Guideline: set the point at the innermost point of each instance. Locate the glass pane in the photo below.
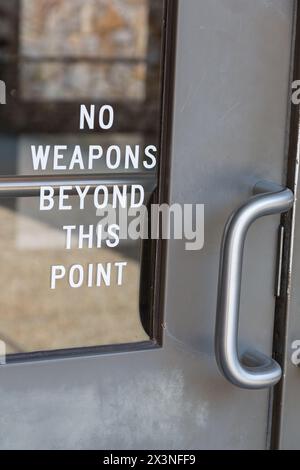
(80, 93)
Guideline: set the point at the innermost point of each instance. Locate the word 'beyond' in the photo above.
(121, 196)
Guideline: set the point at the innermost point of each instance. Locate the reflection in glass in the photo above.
(35, 318)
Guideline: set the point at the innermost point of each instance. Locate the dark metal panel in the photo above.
(286, 416)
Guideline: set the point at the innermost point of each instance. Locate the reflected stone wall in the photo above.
(93, 28)
(92, 49)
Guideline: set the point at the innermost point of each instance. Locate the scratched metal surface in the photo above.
(232, 74)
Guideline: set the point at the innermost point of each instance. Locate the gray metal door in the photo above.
(229, 131)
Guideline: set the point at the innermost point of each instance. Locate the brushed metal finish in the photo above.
(254, 370)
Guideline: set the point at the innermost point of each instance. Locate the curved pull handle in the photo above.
(255, 370)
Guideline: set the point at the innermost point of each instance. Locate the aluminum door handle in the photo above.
(254, 370)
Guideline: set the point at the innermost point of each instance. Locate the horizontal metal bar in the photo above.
(29, 186)
(76, 59)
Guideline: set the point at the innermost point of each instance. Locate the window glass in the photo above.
(62, 64)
